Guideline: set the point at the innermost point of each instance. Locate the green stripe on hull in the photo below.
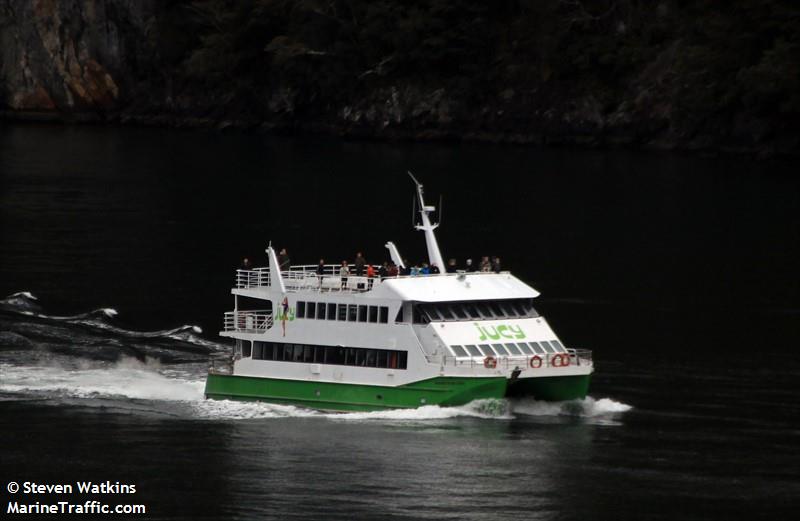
(443, 391)
(551, 388)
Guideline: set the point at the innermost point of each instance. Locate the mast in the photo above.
(434, 255)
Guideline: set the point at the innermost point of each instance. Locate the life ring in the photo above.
(560, 360)
(490, 362)
(536, 362)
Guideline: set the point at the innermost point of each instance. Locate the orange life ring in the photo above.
(536, 362)
(490, 362)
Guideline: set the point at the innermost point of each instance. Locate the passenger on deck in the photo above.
(245, 264)
(383, 271)
(468, 267)
(496, 265)
(394, 271)
(485, 266)
(425, 270)
(435, 269)
(320, 271)
(451, 266)
(359, 264)
(406, 269)
(413, 270)
(283, 260)
(370, 275)
(344, 272)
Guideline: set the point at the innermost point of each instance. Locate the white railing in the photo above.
(573, 357)
(254, 321)
(305, 277)
(252, 278)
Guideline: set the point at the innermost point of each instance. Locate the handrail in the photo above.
(577, 357)
(251, 321)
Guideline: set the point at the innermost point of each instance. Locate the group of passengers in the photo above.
(361, 268)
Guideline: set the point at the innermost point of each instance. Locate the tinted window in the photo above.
(487, 350)
(373, 314)
(384, 315)
(558, 346)
(459, 311)
(403, 364)
(537, 348)
(321, 311)
(513, 349)
(458, 350)
(301, 309)
(342, 314)
(371, 358)
(546, 346)
(500, 349)
(484, 309)
(383, 358)
(278, 352)
(331, 311)
(308, 354)
(525, 348)
(246, 348)
(311, 310)
(352, 312)
(445, 312)
(258, 351)
(269, 349)
(473, 350)
(362, 313)
(319, 355)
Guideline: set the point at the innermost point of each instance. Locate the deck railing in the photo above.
(254, 321)
(306, 277)
(577, 357)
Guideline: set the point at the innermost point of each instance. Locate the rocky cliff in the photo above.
(702, 75)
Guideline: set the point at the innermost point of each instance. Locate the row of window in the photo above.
(331, 355)
(520, 348)
(474, 310)
(343, 312)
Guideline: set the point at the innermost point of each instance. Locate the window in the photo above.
(399, 318)
(500, 349)
(558, 346)
(458, 350)
(331, 311)
(383, 317)
(487, 350)
(301, 309)
(352, 312)
(362, 313)
(245, 348)
(311, 310)
(512, 349)
(445, 313)
(403, 359)
(472, 311)
(459, 311)
(473, 350)
(546, 346)
(525, 348)
(537, 348)
(342, 312)
(373, 314)
(321, 311)
(330, 355)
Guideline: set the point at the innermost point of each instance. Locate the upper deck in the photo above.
(436, 287)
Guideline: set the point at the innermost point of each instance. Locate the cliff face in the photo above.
(695, 75)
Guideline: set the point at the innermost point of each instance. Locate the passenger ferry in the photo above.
(339, 341)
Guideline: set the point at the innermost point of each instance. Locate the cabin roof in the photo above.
(455, 287)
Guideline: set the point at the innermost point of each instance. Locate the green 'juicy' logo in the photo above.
(496, 333)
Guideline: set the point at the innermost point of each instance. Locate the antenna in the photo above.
(434, 255)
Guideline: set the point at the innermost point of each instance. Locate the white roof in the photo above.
(455, 287)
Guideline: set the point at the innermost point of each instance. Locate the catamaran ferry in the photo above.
(327, 339)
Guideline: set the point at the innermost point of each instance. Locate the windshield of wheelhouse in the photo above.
(496, 309)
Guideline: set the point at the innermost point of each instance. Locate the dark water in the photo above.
(680, 273)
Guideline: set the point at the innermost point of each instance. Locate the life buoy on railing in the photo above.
(490, 362)
(536, 362)
(559, 360)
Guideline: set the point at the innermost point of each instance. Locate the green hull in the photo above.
(551, 388)
(443, 391)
